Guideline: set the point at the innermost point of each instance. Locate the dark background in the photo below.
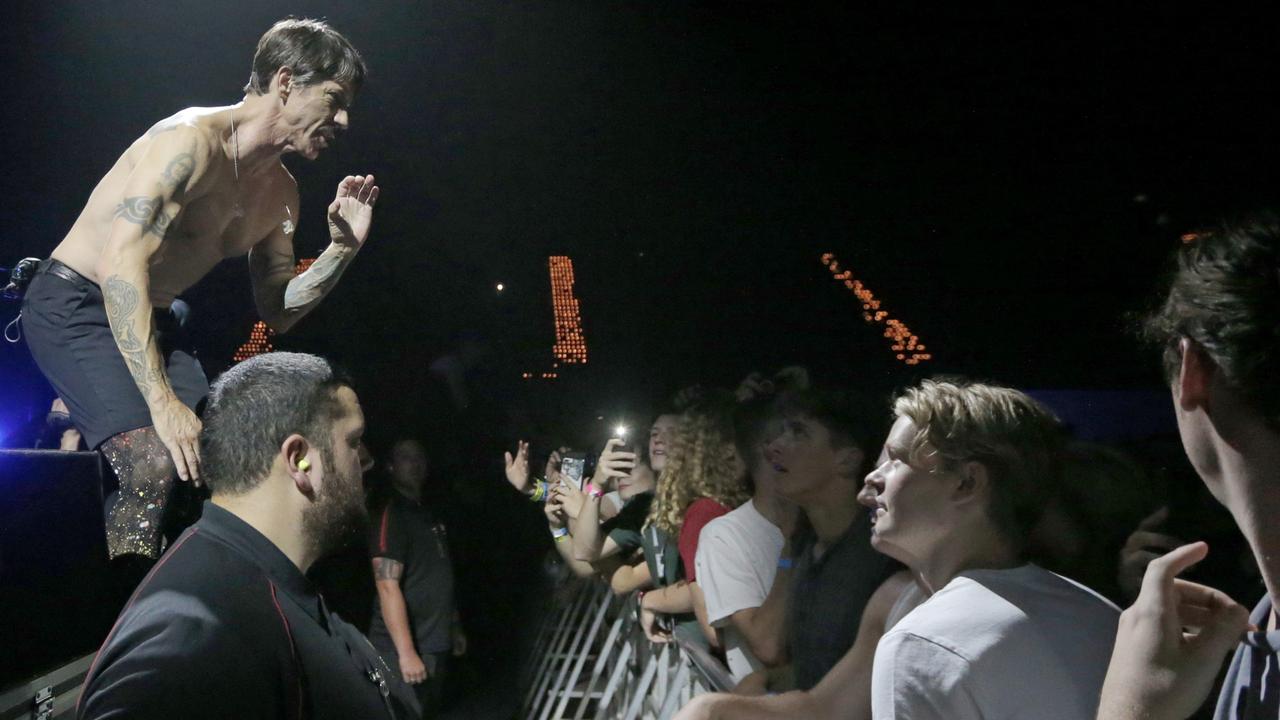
(1009, 184)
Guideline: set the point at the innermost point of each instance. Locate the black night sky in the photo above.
(1008, 184)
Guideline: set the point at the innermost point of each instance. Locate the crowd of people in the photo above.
(946, 550)
(943, 551)
(949, 550)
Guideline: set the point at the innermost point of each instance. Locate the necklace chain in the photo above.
(235, 161)
(235, 167)
(235, 139)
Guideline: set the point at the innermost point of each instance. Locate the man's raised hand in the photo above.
(518, 467)
(351, 212)
(1171, 643)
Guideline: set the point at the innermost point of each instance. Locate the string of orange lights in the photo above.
(570, 346)
(905, 345)
(260, 336)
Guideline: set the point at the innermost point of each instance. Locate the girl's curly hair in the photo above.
(703, 464)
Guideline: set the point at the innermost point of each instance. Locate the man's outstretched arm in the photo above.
(283, 299)
(158, 187)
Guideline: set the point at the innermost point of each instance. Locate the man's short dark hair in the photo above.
(255, 405)
(314, 52)
(751, 420)
(849, 416)
(1225, 297)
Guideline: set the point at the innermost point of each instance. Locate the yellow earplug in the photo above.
(304, 465)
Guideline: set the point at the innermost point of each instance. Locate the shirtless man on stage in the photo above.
(101, 315)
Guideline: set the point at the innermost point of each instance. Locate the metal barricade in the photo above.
(579, 669)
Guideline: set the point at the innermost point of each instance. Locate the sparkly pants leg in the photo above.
(134, 512)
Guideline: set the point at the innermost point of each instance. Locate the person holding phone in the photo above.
(598, 537)
(703, 479)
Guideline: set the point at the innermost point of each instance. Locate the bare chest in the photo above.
(211, 229)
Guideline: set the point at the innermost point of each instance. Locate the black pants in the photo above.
(65, 323)
(430, 691)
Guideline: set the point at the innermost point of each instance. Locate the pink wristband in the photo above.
(592, 490)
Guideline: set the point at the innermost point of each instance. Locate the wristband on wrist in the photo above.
(559, 533)
(784, 563)
(540, 491)
(592, 490)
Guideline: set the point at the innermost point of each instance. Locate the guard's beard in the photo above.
(338, 512)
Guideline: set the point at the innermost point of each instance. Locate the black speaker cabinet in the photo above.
(56, 601)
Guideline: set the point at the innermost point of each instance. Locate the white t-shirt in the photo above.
(736, 562)
(1000, 645)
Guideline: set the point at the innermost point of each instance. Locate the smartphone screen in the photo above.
(572, 465)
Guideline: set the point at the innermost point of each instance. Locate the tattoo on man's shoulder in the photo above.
(179, 170)
(147, 212)
(121, 300)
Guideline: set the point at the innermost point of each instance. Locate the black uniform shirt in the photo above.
(226, 626)
(407, 531)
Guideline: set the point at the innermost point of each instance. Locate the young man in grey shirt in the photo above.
(1220, 328)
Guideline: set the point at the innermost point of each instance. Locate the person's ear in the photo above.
(849, 461)
(973, 483)
(282, 83)
(1195, 374)
(299, 462)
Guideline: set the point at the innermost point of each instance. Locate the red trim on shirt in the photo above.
(382, 533)
(289, 634)
(116, 625)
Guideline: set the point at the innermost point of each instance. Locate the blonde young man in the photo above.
(966, 469)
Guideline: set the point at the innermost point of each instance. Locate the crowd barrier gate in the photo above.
(592, 659)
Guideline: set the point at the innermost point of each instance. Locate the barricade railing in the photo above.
(592, 660)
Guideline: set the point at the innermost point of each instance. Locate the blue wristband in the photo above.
(784, 563)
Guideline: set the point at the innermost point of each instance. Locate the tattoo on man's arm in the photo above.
(311, 286)
(387, 569)
(179, 170)
(147, 212)
(121, 300)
